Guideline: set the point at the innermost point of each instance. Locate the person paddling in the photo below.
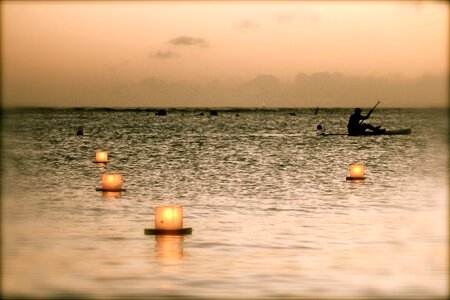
(356, 125)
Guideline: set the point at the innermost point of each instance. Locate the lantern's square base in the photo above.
(355, 178)
(100, 162)
(105, 190)
(149, 231)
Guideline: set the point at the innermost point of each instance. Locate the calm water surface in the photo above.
(271, 211)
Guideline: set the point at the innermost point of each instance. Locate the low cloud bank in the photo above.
(265, 90)
(318, 89)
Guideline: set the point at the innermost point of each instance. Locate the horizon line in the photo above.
(155, 108)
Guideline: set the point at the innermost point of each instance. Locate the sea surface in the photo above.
(272, 213)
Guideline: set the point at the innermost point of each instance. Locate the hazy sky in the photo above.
(236, 53)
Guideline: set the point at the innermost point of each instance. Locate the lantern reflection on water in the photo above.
(169, 221)
(108, 194)
(356, 172)
(101, 157)
(169, 246)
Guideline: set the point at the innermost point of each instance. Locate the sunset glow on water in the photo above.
(271, 210)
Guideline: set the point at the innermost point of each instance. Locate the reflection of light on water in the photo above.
(313, 234)
(111, 194)
(357, 180)
(169, 246)
(101, 167)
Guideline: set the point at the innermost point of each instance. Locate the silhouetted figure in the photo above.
(317, 110)
(292, 114)
(319, 127)
(214, 113)
(356, 126)
(80, 130)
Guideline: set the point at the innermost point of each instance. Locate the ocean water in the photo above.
(272, 213)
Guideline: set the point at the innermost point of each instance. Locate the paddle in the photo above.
(317, 110)
(370, 111)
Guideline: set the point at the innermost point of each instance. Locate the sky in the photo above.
(224, 54)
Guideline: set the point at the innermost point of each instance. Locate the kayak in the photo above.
(387, 132)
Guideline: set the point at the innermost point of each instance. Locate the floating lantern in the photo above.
(356, 172)
(169, 221)
(101, 157)
(111, 182)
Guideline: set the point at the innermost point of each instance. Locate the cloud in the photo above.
(188, 41)
(247, 24)
(164, 54)
(324, 89)
(179, 41)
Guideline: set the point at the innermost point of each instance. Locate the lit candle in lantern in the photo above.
(101, 157)
(169, 220)
(356, 172)
(112, 182)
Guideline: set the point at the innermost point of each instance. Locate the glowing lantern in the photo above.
(101, 157)
(169, 221)
(169, 217)
(356, 172)
(112, 182)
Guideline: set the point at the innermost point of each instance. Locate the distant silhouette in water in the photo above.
(317, 110)
(214, 113)
(356, 125)
(80, 130)
(201, 114)
(161, 112)
(319, 127)
(292, 114)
